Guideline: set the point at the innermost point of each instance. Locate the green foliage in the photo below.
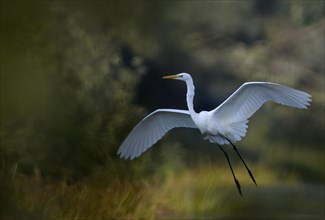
(70, 73)
(76, 114)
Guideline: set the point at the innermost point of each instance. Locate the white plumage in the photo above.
(228, 122)
(152, 128)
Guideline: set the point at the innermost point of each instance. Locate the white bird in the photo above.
(225, 124)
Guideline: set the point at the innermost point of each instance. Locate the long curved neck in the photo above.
(190, 96)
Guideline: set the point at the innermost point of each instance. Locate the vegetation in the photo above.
(76, 76)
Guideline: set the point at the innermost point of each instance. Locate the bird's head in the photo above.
(180, 76)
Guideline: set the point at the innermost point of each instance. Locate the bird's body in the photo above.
(225, 124)
(227, 121)
(231, 117)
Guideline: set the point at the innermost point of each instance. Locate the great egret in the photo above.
(226, 124)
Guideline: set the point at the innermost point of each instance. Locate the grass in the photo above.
(290, 186)
(206, 191)
(35, 198)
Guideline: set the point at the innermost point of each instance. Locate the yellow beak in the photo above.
(171, 77)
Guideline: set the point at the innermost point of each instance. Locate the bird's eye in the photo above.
(180, 75)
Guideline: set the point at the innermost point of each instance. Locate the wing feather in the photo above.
(151, 129)
(245, 101)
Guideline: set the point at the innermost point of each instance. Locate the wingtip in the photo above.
(127, 156)
(307, 103)
(122, 155)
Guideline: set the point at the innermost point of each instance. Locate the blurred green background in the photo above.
(76, 76)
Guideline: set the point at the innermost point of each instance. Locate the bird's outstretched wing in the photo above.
(247, 99)
(152, 128)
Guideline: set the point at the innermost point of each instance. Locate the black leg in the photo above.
(248, 170)
(232, 171)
